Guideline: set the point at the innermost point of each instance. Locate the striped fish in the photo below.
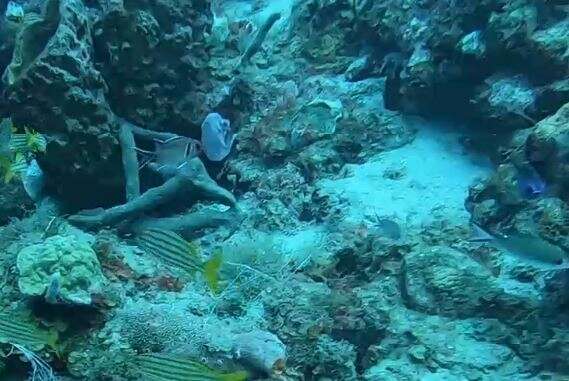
(36, 141)
(16, 329)
(155, 367)
(175, 251)
(19, 165)
(175, 152)
(15, 168)
(19, 143)
(30, 141)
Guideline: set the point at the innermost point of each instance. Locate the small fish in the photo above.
(52, 227)
(14, 168)
(17, 329)
(526, 247)
(53, 289)
(531, 186)
(155, 367)
(170, 155)
(388, 228)
(217, 137)
(30, 141)
(176, 251)
(175, 151)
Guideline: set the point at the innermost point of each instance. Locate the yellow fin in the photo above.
(52, 338)
(8, 176)
(193, 249)
(236, 376)
(211, 270)
(35, 141)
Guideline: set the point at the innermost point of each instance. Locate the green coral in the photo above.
(68, 262)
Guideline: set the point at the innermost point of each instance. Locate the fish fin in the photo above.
(477, 234)
(236, 376)
(52, 341)
(211, 271)
(193, 250)
(9, 175)
(35, 141)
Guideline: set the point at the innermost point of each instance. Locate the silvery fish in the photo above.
(523, 246)
(217, 137)
(175, 152)
(171, 155)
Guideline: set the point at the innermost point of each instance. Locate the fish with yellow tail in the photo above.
(160, 367)
(175, 251)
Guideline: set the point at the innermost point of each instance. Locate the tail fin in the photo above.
(477, 234)
(237, 376)
(211, 270)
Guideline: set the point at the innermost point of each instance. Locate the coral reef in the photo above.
(62, 268)
(383, 187)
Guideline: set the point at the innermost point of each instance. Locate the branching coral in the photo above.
(184, 176)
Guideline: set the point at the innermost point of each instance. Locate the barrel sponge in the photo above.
(64, 265)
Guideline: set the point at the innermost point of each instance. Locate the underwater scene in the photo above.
(283, 190)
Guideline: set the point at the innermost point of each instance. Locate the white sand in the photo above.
(437, 174)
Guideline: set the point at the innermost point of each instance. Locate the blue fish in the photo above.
(531, 186)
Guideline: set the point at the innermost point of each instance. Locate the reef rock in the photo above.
(547, 148)
(74, 67)
(447, 282)
(14, 202)
(153, 56)
(61, 269)
(52, 85)
(336, 119)
(552, 47)
(145, 326)
(506, 102)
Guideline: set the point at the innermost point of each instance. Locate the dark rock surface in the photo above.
(14, 202)
(452, 51)
(52, 85)
(154, 59)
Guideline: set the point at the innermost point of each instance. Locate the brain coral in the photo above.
(62, 265)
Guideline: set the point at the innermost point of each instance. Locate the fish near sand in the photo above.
(526, 247)
(175, 251)
(388, 228)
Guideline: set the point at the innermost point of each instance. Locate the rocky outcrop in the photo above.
(53, 86)
(154, 59)
(453, 53)
(446, 282)
(74, 67)
(547, 148)
(534, 172)
(14, 202)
